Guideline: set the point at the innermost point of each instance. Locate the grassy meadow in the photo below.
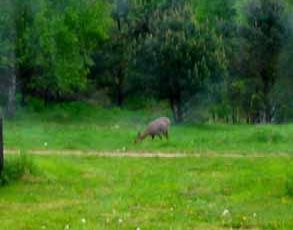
(90, 192)
(74, 192)
(87, 128)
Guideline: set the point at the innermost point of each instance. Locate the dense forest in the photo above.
(229, 60)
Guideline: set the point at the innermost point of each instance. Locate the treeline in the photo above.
(230, 59)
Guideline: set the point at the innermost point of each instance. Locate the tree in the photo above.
(54, 45)
(22, 20)
(116, 55)
(131, 22)
(262, 33)
(7, 59)
(1, 144)
(282, 92)
(178, 56)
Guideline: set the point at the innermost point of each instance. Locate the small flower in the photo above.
(66, 226)
(120, 221)
(225, 212)
(83, 220)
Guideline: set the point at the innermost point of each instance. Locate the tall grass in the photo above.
(16, 166)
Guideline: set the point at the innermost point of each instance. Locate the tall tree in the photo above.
(178, 55)
(54, 44)
(7, 58)
(22, 18)
(263, 33)
(116, 54)
(1, 144)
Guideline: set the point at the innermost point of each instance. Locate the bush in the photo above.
(15, 166)
(36, 104)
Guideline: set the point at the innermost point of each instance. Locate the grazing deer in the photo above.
(158, 127)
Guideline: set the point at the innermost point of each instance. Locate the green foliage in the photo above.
(215, 11)
(178, 56)
(6, 50)
(263, 35)
(55, 42)
(16, 167)
(178, 51)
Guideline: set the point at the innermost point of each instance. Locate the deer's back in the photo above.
(158, 126)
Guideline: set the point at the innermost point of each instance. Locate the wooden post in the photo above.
(1, 144)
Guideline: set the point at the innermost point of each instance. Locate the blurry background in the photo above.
(218, 61)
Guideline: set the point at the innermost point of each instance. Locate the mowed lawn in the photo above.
(79, 192)
(89, 128)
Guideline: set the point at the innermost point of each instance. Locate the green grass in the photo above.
(84, 127)
(87, 192)
(124, 193)
(15, 167)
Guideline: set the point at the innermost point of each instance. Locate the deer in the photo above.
(158, 127)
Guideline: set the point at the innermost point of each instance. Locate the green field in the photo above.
(251, 187)
(82, 127)
(122, 193)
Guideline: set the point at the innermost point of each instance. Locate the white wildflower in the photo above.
(225, 212)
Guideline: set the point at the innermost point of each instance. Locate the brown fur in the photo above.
(158, 127)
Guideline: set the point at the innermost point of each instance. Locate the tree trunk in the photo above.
(1, 145)
(233, 115)
(120, 97)
(267, 118)
(267, 106)
(11, 105)
(176, 106)
(119, 88)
